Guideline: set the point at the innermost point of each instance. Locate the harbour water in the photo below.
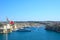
(35, 34)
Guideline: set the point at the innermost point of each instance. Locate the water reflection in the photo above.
(3, 36)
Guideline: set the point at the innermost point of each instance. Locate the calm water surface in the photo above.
(36, 34)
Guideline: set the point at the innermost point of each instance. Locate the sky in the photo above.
(30, 10)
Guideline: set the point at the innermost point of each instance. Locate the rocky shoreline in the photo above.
(54, 27)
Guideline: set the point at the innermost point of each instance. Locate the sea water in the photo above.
(35, 34)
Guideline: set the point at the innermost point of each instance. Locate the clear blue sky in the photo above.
(30, 10)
